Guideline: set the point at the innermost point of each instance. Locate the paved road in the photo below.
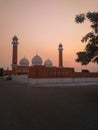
(23, 107)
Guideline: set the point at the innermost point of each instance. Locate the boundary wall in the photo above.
(39, 81)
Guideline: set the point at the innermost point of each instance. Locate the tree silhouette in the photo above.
(1, 71)
(90, 53)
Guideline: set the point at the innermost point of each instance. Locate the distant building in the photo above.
(38, 69)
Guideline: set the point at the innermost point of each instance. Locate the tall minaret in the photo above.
(60, 55)
(14, 54)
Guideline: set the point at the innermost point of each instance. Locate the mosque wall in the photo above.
(57, 72)
(49, 72)
(23, 69)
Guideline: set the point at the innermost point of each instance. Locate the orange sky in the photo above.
(40, 26)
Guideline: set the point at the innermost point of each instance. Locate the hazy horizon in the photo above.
(40, 26)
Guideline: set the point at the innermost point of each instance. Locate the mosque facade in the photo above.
(40, 69)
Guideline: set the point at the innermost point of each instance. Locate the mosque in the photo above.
(38, 69)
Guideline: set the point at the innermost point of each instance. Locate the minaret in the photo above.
(14, 54)
(60, 55)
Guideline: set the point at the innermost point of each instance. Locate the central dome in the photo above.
(37, 60)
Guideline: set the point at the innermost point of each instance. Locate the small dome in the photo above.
(37, 60)
(24, 62)
(48, 63)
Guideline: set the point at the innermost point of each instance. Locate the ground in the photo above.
(24, 107)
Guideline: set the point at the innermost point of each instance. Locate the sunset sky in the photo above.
(40, 26)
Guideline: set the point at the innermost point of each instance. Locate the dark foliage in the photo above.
(90, 54)
(1, 71)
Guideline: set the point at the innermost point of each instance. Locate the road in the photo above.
(24, 107)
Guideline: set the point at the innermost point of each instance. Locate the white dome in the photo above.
(37, 60)
(24, 62)
(48, 63)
